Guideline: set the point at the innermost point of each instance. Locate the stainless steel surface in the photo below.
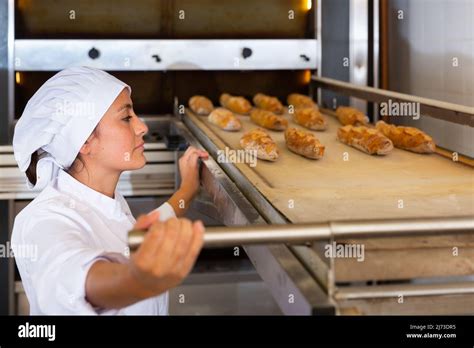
(376, 50)
(302, 233)
(395, 290)
(431, 54)
(335, 44)
(292, 286)
(130, 55)
(359, 47)
(319, 32)
(460, 114)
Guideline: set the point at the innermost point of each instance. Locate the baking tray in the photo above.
(347, 184)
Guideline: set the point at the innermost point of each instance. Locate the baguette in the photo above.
(301, 101)
(407, 138)
(259, 141)
(236, 104)
(267, 102)
(200, 105)
(268, 119)
(351, 116)
(368, 140)
(224, 119)
(303, 143)
(310, 118)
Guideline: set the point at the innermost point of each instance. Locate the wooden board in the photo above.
(406, 264)
(400, 185)
(412, 305)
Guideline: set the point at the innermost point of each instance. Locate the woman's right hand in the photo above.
(167, 254)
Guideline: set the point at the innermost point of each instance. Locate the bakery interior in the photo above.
(351, 182)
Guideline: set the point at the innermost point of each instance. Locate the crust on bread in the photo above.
(262, 143)
(268, 119)
(368, 140)
(200, 105)
(310, 118)
(236, 104)
(225, 119)
(267, 102)
(407, 138)
(304, 143)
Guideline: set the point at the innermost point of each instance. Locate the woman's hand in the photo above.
(167, 254)
(189, 169)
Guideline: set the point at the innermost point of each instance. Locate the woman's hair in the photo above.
(31, 171)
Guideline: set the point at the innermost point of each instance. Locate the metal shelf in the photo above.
(159, 55)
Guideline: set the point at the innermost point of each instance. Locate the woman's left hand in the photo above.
(189, 169)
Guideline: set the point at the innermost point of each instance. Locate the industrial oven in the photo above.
(413, 215)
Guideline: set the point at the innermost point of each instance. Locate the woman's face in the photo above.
(117, 143)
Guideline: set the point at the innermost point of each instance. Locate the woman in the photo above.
(77, 134)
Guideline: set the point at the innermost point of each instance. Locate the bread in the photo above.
(224, 119)
(200, 105)
(310, 118)
(368, 140)
(239, 105)
(351, 116)
(407, 138)
(259, 141)
(267, 102)
(303, 143)
(268, 119)
(301, 101)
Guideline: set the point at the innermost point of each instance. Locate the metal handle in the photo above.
(303, 233)
(450, 112)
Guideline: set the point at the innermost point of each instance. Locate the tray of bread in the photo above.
(317, 165)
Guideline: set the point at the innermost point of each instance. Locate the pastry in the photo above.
(267, 102)
(368, 140)
(268, 119)
(310, 118)
(407, 138)
(200, 105)
(224, 119)
(352, 116)
(303, 143)
(236, 104)
(301, 101)
(261, 142)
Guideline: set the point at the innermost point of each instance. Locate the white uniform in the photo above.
(71, 226)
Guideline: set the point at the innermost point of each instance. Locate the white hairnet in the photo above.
(60, 117)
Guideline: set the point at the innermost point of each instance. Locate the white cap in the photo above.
(60, 117)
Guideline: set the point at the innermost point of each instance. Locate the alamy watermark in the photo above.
(28, 330)
(79, 109)
(24, 251)
(237, 156)
(334, 250)
(405, 109)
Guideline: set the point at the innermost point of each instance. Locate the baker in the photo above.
(76, 136)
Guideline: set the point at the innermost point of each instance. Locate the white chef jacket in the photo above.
(71, 226)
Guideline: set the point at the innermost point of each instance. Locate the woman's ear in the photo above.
(85, 149)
